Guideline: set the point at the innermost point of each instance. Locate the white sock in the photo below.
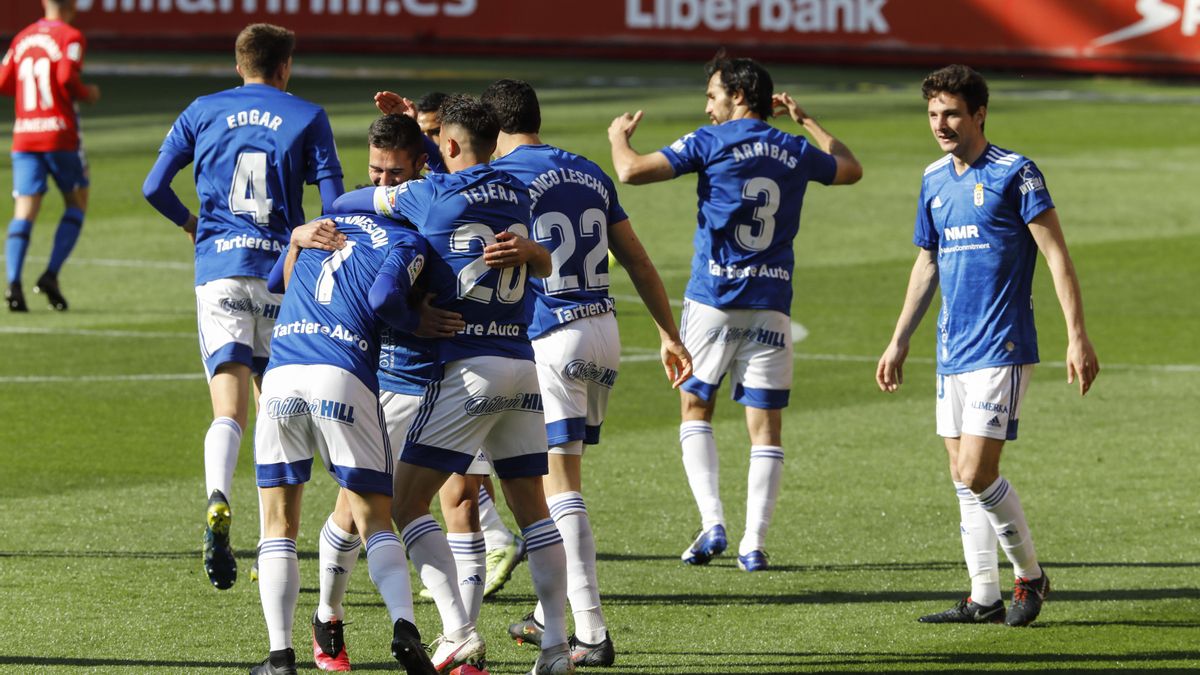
(470, 559)
(979, 547)
(221, 445)
(389, 571)
(495, 532)
(583, 590)
(1003, 508)
(702, 469)
(762, 491)
(548, 567)
(278, 588)
(430, 554)
(339, 553)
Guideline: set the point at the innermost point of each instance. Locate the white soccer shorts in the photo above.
(984, 402)
(308, 410)
(484, 402)
(399, 411)
(577, 365)
(235, 317)
(752, 346)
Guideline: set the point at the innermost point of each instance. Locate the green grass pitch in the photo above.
(103, 409)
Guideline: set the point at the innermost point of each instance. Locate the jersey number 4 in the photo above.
(764, 214)
(248, 194)
(511, 286)
(593, 224)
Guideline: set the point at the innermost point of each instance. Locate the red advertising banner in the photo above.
(1123, 36)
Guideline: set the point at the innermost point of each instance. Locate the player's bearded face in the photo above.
(957, 131)
(392, 167)
(720, 105)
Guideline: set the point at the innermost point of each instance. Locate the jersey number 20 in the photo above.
(511, 286)
(248, 194)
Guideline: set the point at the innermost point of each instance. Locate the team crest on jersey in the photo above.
(979, 194)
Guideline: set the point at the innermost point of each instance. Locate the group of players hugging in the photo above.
(453, 320)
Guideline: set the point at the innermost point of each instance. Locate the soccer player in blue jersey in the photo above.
(486, 395)
(751, 184)
(576, 215)
(254, 147)
(320, 397)
(984, 214)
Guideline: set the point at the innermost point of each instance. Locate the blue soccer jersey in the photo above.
(574, 202)
(327, 317)
(978, 225)
(459, 214)
(751, 184)
(406, 362)
(253, 147)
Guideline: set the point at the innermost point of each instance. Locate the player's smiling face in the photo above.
(720, 104)
(957, 131)
(392, 167)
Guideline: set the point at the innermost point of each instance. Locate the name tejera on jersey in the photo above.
(751, 150)
(306, 327)
(758, 271)
(561, 176)
(488, 192)
(492, 329)
(247, 241)
(569, 314)
(254, 118)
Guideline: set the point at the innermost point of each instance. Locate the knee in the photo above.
(977, 479)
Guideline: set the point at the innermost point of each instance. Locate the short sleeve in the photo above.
(320, 151)
(615, 212)
(181, 139)
(924, 233)
(817, 164)
(1028, 188)
(688, 154)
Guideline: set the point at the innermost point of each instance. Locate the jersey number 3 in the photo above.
(764, 214)
(248, 194)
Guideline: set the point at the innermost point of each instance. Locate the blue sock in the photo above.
(64, 238)
(15, 248)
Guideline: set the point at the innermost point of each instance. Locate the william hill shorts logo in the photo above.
(477, 406)
(294, 406)
(586, 370)
(248, 306)
(728, 335)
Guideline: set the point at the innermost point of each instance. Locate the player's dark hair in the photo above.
(397, 132)
(478, 120)
(744, 75)
(516, 106)
(263, 48)
(431, 102)
(957, 80)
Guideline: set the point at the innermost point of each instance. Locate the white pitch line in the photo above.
(134, 264)
(87, 332)
(57, 379)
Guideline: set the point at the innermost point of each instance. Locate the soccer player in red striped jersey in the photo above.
(42, 71)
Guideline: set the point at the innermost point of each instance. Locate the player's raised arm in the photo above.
(631, 167)
(922, 283)
(848, 168)
(1081, 355)
(628, 250)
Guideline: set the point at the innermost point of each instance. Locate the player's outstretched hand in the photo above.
(677, 362)
(93, 93)
(889, 374)
(434, 322)
(321, 233)
(391, 103)
(624, 125)
(511, 250)
(1082, 363)
(783, 104)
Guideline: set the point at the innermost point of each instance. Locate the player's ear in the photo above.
(419, 165)
(453, 149)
